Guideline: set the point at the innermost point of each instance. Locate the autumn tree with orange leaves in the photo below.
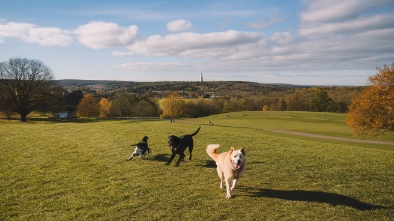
(372, 111)
(172, 106)
(88, 107)
(105, 107)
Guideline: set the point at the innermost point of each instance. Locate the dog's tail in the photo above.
(211, 151)
(195, 132)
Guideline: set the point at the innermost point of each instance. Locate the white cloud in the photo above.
(99, 34)
(49, 36)
(177, 44)
(122, 54)
(345, 33)
(179, 25)
(337, 10)
(264, 24)
(362, 24)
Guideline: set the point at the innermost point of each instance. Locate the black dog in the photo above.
(178, 145)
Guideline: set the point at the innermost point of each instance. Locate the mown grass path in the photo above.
(330, 137)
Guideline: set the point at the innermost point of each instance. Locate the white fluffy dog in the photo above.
(230, 165)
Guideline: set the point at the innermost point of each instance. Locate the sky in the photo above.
(301, 42)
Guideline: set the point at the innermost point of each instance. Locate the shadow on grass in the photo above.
(86, 120)
(55, 120)
(161, 157)
(208, 164)
(314, 196)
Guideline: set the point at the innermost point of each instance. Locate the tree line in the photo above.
(122, 104)
(28, 85)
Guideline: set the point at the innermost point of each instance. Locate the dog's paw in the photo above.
(228, 196)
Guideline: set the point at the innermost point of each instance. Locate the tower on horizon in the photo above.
(201, 79)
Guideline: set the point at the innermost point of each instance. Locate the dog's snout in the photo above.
(239, 161)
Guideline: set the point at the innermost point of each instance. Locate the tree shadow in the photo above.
(57, 120)
(313, 196)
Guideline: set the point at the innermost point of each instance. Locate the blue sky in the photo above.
(314, 42)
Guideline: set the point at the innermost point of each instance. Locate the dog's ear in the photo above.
(231, 150)
(243, 151)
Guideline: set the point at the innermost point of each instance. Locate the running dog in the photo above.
(230, 165)
(141, 149)
(178, 145)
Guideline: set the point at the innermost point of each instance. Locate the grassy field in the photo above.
(78, 171)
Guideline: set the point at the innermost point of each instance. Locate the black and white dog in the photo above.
(141, 149)
(178, 145)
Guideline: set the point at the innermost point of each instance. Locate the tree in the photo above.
(172, 106)
(297, 101)
(105, 107)
(73, 99)
(145, 108)
(122, 104)
(322, 102)
(372, 110)
(88, 107)
(26, 86)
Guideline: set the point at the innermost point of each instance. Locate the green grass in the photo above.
(330, 124)
(78, 171)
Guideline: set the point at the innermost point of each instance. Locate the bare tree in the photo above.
(26, 86)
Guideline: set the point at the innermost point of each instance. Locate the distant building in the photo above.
(65, 115)
(201, 79)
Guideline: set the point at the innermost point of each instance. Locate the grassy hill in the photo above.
(78, 170)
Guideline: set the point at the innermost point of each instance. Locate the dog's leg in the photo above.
(190, 149)
(228, 196)
(190, 158)
(235, 181)
(131, 157)
(181, 158)
(220, 174)
(147, 153)
(171, 158)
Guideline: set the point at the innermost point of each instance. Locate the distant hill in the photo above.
(186, 86)
(232, 94)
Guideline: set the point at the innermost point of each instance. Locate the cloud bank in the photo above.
(30, 33)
